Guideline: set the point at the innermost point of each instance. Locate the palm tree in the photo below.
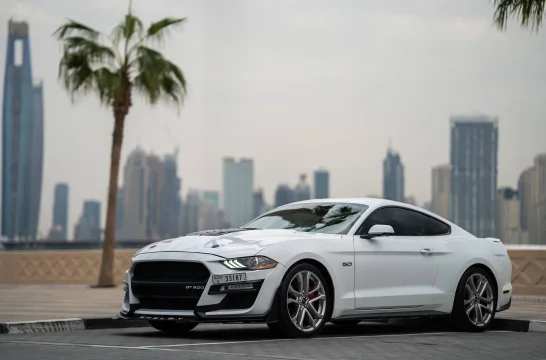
(111, 67)
(530, 13)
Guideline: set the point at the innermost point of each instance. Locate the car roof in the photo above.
(373, 203)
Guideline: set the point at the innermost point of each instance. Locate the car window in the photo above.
(328, 218)
(405, 222)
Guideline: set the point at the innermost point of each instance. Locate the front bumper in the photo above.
(213, 303)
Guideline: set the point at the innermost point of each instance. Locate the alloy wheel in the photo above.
(306, 301)
(479, 300)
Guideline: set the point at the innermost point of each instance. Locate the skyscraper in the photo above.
(322, 184)
(88, 226)
(60, 211)
(439, 204)
(527, 205)
(135, 184)
(212, 197)
(393, 177)
(22, 139)
(283, 195)
(238, 190)
(474, 149)
(302, 191)
(508, 216)
(170, 198)
(259, 203)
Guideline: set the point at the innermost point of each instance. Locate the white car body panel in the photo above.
(382, 277)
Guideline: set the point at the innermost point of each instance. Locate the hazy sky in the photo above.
(298, 85)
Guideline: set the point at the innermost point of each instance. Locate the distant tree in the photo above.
(112, 67)
(530, 13)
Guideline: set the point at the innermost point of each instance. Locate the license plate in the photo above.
(230, 278)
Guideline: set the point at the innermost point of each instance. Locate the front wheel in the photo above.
(475, 301)
(305, 302)
(173, 328)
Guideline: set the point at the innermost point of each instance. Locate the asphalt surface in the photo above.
(43, 302)
(230, 342)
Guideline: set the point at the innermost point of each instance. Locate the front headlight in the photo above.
(250, 263)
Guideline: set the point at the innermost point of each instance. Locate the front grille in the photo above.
(169, 285)
(168, 304)
(170, 271)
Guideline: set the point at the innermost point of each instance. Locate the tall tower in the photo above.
(238, 190)
(393, 177)
(474, 149)
(60, 210)
(322, 184)
(440, 196)
(22, 139)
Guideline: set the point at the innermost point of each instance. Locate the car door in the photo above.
(394, 272)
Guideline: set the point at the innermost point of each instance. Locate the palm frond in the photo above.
(158, 79)
(80, 77)
(157, 31)
(127, 29)
(95, 51)
(72, 27)
(530, 13)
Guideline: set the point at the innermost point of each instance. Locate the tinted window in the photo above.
(405, 222)
(328, 218)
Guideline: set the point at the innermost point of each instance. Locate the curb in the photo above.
(519, 325)
(56, 325)
(42, 326)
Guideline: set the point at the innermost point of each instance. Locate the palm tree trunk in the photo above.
(106, 277)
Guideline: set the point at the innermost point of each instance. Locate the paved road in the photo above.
(236, 342)
(42, 302)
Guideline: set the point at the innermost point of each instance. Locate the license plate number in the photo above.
(230, 278)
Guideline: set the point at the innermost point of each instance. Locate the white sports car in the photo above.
(307, 263)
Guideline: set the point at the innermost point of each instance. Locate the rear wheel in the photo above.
(305, 303)
(475, 301)
(173, 328)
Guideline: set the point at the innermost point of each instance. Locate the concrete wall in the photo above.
(82, 267)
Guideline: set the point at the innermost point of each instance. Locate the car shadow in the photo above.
(249, 332)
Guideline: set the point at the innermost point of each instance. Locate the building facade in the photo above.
(473, 160)
(283, 195)
(88, 227)
(509, 216)
(212, 196)
(22, 139)
(60, 211)
(441, 179)
(302, 191)
(238, 189)
(393, 177)
(540, 191)
(321, 184)
(259, 203)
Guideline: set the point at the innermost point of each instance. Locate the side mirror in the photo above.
(378, 230)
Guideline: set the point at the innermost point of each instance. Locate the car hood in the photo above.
(227, 243)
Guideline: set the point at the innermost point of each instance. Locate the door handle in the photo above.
(427, 251)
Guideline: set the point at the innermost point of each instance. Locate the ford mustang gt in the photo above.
(304, 264)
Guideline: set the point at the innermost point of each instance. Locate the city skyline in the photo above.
(245, 110)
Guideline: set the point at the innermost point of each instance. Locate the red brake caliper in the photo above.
(311, 295)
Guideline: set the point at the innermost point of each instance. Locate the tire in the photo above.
(346, 322)
(467, 300)
(298, 304)
(173, 328)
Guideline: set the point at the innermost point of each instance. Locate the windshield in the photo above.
(328, 218)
